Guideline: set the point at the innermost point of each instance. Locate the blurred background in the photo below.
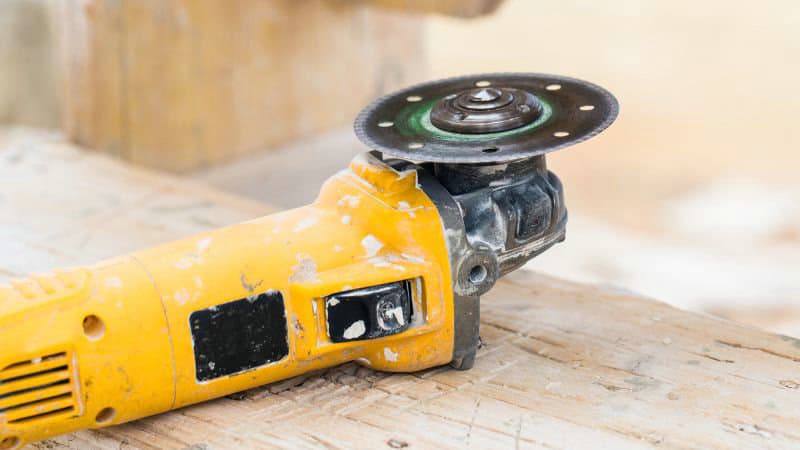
(691, 197)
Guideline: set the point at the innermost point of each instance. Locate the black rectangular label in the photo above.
(239, 335)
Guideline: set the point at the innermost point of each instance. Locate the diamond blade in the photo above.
(399, 124)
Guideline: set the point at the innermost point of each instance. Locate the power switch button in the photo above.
(369, 313)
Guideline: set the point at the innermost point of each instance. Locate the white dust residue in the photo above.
(412, 258)
(365, 159)
(346, 219)
(305, 271)
(380, 262)
(387, 261)
(305, 224)
(114, 282)
(182, 296)
(389, 354)
(356, 330)
(406, 207)
(203, 244)
(349, 200)
(371, 245)
(195, 258)
(277, 220)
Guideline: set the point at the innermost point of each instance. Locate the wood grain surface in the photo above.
(179, 85)
(563, 365)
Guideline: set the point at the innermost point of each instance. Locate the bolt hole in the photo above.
(413, 98)
(385, 124)
(93, 327)
(490, 150)
(10, 442)
(553, 87)
(415, 145)
(477, 274)
(105, 415)
(483, 83)
(586, 107)
(561, 134)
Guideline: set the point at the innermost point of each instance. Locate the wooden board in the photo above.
(181, 84)
(563, 365)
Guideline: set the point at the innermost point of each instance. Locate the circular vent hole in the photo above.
(413, 98)
(553, 87)
(586, 107)
(10, 442)
(483, 83)
(105, 415)
(385, 124)
(93, 327)
(415, 145)
(561, 134)
(477, 274)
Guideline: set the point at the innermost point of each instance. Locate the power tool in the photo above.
(385, 267)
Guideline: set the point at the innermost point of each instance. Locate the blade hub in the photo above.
(483, 98)
(485, 110)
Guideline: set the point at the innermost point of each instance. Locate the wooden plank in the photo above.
(178, 85)
(563, 365)
(29, 88)
(63, 207)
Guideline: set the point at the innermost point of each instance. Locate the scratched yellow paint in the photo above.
(369, 225)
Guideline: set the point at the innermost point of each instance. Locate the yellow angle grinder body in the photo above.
(385, 267)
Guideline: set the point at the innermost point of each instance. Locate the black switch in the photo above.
(370, 312)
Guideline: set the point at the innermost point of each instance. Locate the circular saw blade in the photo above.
(399, 124)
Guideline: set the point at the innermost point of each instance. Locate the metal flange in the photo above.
(486, 118)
